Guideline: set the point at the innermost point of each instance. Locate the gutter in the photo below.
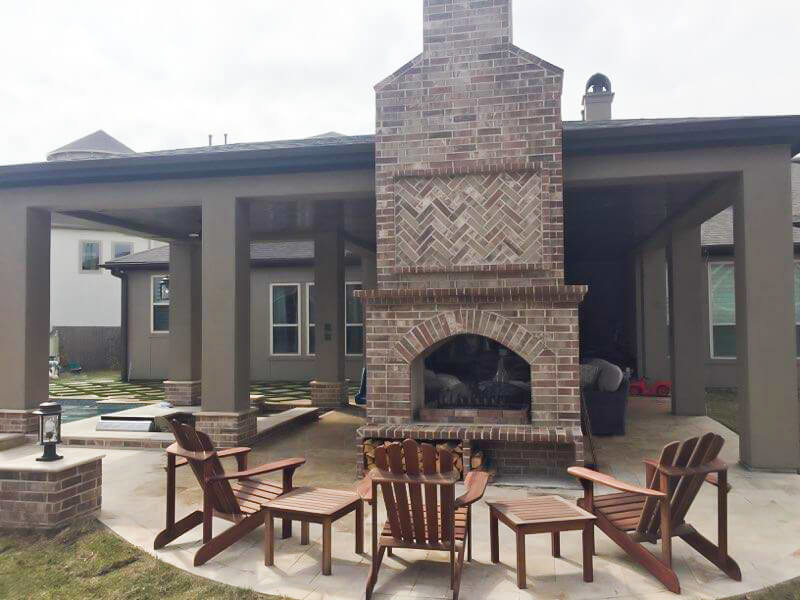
(124, 327)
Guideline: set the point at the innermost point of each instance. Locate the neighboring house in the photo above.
(282, 332)
(719, 314)
(84, 298)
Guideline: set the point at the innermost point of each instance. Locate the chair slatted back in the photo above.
(418, 512)
(692, 453)
(188, 438)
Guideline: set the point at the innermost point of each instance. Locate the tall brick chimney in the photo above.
(469, 221)
(462, 27)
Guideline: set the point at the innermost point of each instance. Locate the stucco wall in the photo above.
(148, 353)
(85, 299)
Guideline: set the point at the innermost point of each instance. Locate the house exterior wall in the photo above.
(148, 352)
(85, 299)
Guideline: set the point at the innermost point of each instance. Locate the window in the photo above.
(160, 304)
(722, 308)
(311, 344)
(285, 303)
(90, 257)
(119, 249)
(722, 300)
(353, 321)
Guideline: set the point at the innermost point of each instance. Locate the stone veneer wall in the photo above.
(47, 500)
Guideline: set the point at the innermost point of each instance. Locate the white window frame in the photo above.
(309, 286)
(272, 325)
(709, 264)
(96, 271)
(363, 337)
(153, 304)
(114, 249)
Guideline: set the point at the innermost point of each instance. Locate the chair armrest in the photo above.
(220, 454)
(364, 489)
(280, 465)
(188, 454)
(713, 480)
(475, 482)
(608, 481)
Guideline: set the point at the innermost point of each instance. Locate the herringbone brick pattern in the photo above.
(476, 219)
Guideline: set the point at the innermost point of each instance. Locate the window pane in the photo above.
(161, 317)
(161, 289)
(284, 340)
(311, 312)
(797, 292)
(353, 305)
(122, 249)
(312, 343)
(725, 341)
(355, 339)
(723, 298)
(90, 256)
(284, 305)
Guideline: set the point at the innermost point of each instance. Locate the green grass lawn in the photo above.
(788, 590)
(87, 560)
(721, 406)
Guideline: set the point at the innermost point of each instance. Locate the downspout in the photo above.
(123, 354)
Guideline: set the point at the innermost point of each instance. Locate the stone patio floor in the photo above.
(764, 526)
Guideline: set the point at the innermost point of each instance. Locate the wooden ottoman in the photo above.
(541, 514)
(313, 505)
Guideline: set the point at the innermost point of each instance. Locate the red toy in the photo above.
(643, 387)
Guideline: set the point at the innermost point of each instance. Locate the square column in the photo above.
(185, 324)
(653, 322)
(766, 353)
(687, 352)
(25, 314)
(329, 389)
(226, 415)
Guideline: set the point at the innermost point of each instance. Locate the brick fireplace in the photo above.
(470, 241)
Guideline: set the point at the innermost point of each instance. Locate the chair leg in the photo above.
(269, 539)
(469, 534)
(705, 547)
(459, 568)
(372, 579)
(286, 531)
(178, 529)
(231, 535)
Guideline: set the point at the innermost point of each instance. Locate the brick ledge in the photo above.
(500, 433)
(549, 293)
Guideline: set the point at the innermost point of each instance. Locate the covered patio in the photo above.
(635, 195)
(764, 525)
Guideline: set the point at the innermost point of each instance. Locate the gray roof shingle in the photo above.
(99, 141)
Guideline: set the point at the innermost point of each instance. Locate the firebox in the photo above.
(473, 379)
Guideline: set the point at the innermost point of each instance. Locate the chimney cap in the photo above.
(598, 84)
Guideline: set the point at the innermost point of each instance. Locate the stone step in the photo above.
(11, 440)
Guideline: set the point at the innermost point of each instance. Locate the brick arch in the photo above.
(469, 321)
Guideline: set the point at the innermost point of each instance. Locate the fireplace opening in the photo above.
(473, 379)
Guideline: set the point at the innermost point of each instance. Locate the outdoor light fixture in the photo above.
(49, 414)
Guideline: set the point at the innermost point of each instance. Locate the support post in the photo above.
(185, 324)
(766, 353)
(25, 314)
(654, 329)
(329, 388)
(687, 355)
(226, 416)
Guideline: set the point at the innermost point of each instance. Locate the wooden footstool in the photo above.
(541, 514)
(313, 505)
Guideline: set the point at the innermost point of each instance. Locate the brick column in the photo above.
(226, 415)
(183, 388)
(25, 314)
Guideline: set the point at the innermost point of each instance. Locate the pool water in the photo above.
(76, 409)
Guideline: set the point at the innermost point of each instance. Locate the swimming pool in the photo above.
(74, 409)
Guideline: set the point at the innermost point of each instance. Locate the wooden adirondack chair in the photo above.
(422, 509)
(241, 502)
(636, 514)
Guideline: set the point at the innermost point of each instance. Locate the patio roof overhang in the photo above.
(358, 152)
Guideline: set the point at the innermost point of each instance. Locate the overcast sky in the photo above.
(165, 74)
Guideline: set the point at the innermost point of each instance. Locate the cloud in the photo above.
(165, 74)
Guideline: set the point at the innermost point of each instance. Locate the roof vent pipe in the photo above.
(210, 137)
(597, 99)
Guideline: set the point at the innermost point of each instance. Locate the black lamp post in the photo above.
(49, 414)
